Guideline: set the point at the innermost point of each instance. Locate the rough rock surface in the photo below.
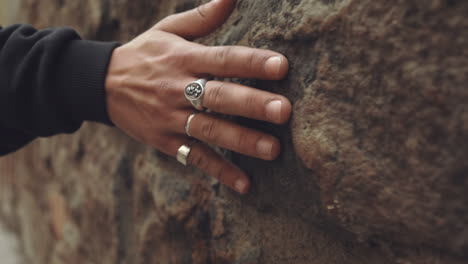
(375, 160)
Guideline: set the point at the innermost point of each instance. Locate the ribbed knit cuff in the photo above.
(81, 79)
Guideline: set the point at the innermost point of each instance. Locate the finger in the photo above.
(235, 99)
(242, 62)
(198, 22)
(225, 134)
(213, 164)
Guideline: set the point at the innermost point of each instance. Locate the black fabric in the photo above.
(50, 82)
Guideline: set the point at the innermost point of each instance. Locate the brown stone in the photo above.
(374, 166)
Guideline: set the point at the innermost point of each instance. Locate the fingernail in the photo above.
(273, 110)
(273, 66)
(241, 185)
(264, 148)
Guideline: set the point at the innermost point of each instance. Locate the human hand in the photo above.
(145, 92)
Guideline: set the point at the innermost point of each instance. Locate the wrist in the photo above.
(112, 83)
(81, 80)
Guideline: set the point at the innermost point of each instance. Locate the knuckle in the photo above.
(222, 56)
(252, 60)
(201, 10)
(162, 144)
(216, 96)
(200, 161)
(147, 67)
(183, 56)
(155, 140)
(242, 141)
(208, 130)
(161, 25)
(172, 58)
(251, 102)
(164, 116)
(175, 54)
(220, 172)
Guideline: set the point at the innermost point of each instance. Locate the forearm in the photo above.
(50, 82)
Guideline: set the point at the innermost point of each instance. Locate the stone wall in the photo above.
(374, 167)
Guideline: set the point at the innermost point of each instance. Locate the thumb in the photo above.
(198, 22)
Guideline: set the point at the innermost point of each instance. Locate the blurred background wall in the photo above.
(9, 248)
(8, 11)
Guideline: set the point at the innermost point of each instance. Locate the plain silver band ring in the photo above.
(182, 154)
(197, 103)
(187, 125)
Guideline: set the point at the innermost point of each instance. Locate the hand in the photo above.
(145, 92)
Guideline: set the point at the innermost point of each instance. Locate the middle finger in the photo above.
(239, 100)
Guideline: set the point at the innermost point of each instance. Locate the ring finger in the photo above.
(225, 134)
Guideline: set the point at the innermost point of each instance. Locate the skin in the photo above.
(145, 92)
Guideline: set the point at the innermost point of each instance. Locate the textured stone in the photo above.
(374, 165)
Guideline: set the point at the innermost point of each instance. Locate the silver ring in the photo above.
(182, 154)
(187, 124)
(194, 92)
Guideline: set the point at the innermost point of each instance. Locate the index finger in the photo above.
(241, 62)
(239, 100)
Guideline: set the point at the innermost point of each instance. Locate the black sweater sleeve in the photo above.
(50, 82)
